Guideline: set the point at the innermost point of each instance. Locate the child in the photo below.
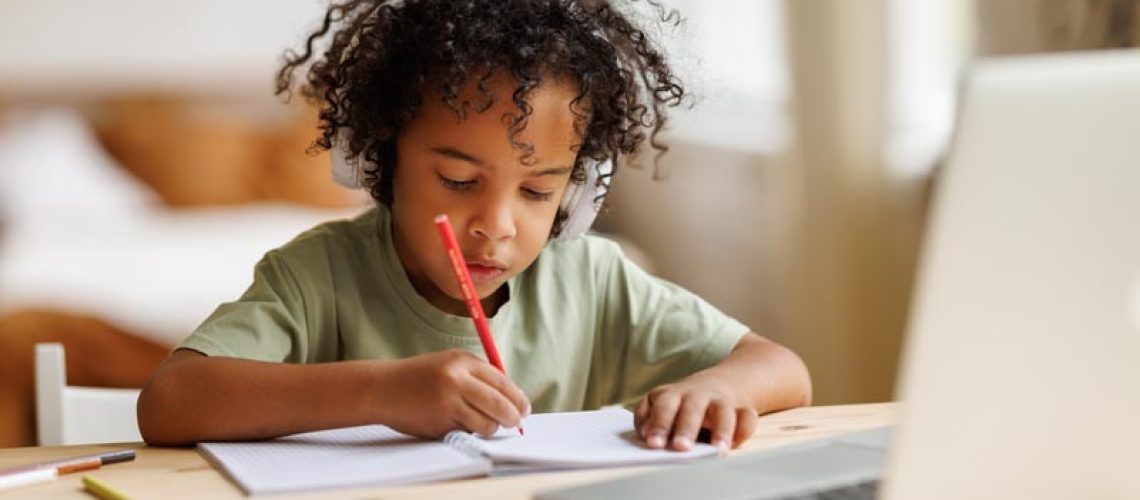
(487, 111)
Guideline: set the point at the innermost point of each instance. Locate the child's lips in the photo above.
(485, 269)
(481, 273)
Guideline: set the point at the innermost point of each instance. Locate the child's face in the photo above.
(501, 209)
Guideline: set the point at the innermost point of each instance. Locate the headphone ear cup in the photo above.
(345, 171)
(582, 203)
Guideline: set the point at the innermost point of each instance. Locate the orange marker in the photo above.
(39, 473)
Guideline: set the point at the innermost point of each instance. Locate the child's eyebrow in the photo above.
(551, 171)
(460, 155)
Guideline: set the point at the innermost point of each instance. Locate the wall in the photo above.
(714, 223)
(208, 45)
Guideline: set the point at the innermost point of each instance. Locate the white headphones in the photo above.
(581, 203)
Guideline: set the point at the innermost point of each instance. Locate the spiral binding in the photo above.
(464, 442)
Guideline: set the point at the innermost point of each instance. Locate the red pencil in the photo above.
(459, 266)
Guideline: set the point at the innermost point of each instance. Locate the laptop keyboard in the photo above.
(843, 467)
(859, 491)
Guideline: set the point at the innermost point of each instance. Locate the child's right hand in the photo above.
(432, 394)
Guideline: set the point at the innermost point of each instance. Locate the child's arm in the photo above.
(757, 377)
(193, 397)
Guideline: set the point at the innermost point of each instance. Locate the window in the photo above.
(927, 44)
(731, 54)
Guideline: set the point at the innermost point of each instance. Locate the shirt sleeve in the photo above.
(655, 332)
(267, 323)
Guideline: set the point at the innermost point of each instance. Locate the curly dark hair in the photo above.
(384, 56)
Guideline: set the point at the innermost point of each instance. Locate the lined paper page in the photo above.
(582, 439)
(354, 456)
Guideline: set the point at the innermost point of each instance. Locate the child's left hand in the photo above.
(673, 414)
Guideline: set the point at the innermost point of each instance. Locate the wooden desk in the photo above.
(183, 473)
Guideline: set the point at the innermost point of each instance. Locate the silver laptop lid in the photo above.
(1022, 365)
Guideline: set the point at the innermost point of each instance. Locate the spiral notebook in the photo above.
(376, 455)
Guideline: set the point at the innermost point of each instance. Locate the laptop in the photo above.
(1021, 369)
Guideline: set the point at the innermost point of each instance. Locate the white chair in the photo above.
(67, 415)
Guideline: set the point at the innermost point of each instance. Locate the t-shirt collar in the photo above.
(447, 324)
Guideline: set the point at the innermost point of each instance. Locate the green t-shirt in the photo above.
(584, 327)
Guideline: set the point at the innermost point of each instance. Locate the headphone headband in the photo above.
(583, 202)
(347, 172)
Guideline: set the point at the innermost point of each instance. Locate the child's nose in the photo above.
(493, 220)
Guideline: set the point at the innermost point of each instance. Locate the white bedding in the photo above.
(158, 276)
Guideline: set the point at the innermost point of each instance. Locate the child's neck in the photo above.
(492, 303)
(445, 303)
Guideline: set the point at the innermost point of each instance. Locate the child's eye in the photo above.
(537, 195)
(455, 185)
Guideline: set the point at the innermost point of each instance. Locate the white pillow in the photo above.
(52, 167)
(158, 276)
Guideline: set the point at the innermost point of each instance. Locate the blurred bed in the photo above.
(119, 256)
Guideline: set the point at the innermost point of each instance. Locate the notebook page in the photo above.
(598, 438)
(355, 456)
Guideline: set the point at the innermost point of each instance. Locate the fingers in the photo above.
(673, 419)
(640, 416)
(746, 423)
(723, 423)
(470, 419)
(663, 407)
(690, 415)
(487, 392)
(505, 386)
